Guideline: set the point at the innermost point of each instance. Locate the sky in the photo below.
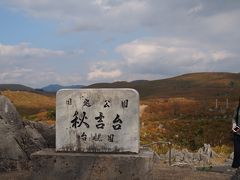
(88, 41)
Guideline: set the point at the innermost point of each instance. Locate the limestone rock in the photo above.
(47, 132)
(10, 135)
(35, 136)
(207, 150)
(17, 140)
(188, 156)
(9, 114)
(202, 156)
(196, 156)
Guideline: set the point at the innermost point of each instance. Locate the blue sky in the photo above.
(82, 42)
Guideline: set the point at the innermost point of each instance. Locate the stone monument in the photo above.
(97, 137)
(97, 120)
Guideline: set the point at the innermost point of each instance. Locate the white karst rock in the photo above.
(17, 139)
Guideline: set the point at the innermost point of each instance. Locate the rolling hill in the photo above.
(15, 87)
(179, 109)
(28, 103)
(197, 85)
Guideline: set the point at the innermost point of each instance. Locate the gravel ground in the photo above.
(160, 173)
(187, 173)
(22, 175)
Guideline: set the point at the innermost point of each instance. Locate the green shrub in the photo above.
(51, 114)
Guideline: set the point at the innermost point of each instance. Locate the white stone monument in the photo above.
(97, 120)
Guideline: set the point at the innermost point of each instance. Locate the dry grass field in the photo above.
(187, 123)
(181, 109)
(33, 106)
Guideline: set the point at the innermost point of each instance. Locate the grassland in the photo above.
(180, 109)
(187, 123)
(33, 106)
(196, 85)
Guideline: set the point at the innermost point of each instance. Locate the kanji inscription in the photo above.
(97, 120)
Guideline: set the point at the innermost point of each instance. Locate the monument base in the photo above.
(48, 164)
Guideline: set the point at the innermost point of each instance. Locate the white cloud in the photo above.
(195, 9)
(23, 50)
(100, 74)
(163, 16)
(104, 70)
(222, 55)
(76, 52)
(198, 36)
(153, 58)
(13, 74)
(177, 50)
(166, 56)
(138, 52)
(80, 15)
(222, 23)
(37, 66)
(35, 79)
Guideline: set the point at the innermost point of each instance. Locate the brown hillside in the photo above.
(29, 103)
(15, 87)
(196, 85)
(181, 109)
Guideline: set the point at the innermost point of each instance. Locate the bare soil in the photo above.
(160, 173)
(186, 173)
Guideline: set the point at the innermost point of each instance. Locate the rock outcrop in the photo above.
(38, 130)
(201, 157)
(19, 139)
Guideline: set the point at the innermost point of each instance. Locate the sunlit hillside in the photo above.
(32, 105)
(195, 85)
(187, 123)
(188, 110)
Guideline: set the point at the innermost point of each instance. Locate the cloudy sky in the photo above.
(87, 41)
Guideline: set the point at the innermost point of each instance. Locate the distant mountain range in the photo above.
(56, 87)
(50, 88)
(202, 85)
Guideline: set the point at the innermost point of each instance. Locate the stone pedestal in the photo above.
(50, 165)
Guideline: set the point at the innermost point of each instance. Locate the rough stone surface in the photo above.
(11, 135)
(17, 139)
(202, 157)
(8, 112)
(208, 151)
(97, 120)
(48, 164)
(160, 172)
(47, 132)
